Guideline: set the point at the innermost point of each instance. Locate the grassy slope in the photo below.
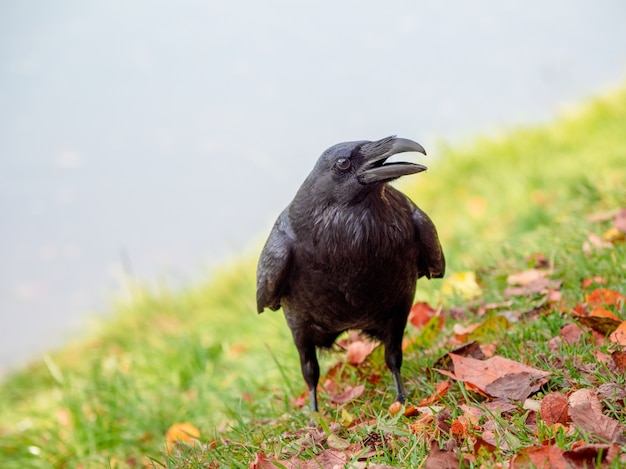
(204, 356)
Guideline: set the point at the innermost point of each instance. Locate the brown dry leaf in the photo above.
(604, 297)
(619, 358)
(348, 394)
(438, 459)
(359, 350)
(619, 334)
(539, 457)
(586, 413)
(498, 376)
(620, 220)
(601, 312)
(554, 408)
(603, 325)
(590, 455)
(183, 432)
(261, 461)
(471, 349)
(327, 459)
(571, 333)
(421, 313)
(612, 392)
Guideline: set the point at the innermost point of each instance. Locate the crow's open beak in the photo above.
(375, 154)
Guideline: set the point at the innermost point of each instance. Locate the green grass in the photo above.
(204, 356)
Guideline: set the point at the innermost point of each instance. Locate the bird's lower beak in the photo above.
(375, 169)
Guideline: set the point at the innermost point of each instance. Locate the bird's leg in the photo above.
(393, 359)
(310, 368)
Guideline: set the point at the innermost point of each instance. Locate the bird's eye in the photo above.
(343, 163)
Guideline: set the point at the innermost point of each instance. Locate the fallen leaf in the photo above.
(612, 392)
(336, 442)
(539, 457)
(604, 297)
(554, 408)
(586, 413)
(359, 350)
(421, 313)
(493, 325)
(526, 277)
(261, 461)
(471, 349)
(462, 284)
(540, 285)
(597, 455)
(613, 235)
(438, 459)
(440, 391)
(597, 242)
(603, 325)
(619, 334)
(498, 376)
(588, 282)
(183, 432)
(395, 407)
(620, 220)
(571, 333)
(619, 358)
(348, 394)
(539, 260)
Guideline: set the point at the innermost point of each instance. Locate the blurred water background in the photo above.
(153, 139)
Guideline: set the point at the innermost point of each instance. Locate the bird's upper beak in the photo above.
(375, 154)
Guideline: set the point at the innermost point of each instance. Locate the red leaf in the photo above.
(421, 313)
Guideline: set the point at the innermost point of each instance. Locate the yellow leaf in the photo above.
(181, 433)
(461, 284)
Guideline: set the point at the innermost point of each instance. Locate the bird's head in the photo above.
(348, 170)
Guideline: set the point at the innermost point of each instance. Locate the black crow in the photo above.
(347, 252)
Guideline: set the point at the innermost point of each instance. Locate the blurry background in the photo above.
(152, 139)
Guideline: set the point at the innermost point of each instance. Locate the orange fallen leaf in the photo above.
(600, 312)
(183, 432)
(588, 282)
(604, 297)
(440, 391)
(395, 407)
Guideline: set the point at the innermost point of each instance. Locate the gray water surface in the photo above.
(156, 139)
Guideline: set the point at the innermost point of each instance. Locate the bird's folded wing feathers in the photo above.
(431, 261)
(274, 265)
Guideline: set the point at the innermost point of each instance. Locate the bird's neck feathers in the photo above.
(376, 219)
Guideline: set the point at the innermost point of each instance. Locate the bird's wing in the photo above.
(431, 261)
(274, 265)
